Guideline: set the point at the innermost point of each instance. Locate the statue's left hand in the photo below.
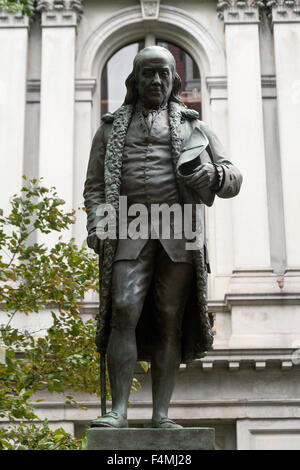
(206, 176)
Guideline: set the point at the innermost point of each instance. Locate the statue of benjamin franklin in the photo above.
(153, 306)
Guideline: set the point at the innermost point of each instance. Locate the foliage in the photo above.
(38, 437)
(33, 278)
(13, 6)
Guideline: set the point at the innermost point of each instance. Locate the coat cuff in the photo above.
(220, 177)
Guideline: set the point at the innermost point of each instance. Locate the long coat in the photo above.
(103, 185)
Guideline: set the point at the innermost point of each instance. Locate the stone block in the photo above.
(151, 439)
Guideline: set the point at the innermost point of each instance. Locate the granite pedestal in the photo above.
(151, 439)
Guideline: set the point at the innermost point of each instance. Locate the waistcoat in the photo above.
(148, 178)
(147, 170)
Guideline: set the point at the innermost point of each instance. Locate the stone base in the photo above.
(151, 439)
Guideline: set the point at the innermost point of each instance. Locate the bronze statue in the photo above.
(153, 306)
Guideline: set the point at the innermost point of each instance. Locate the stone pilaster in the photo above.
(13, 54)
(83, 138)
(246, 135)
(285, 15)
(252, 273)
(221, 249)
(59, 19)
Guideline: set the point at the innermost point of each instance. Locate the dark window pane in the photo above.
(189, 73)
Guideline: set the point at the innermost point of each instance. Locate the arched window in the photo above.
(119, 66)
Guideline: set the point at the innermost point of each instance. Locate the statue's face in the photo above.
(154, 80)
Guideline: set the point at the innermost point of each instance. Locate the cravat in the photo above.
(149, 118)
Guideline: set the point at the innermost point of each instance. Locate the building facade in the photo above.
(240, 66)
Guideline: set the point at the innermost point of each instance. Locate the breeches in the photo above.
(171, 286)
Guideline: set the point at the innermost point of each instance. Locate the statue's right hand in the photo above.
(93, 242)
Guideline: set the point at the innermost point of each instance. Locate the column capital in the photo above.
(60, 12)
(239, 11)
(284, 11)
(13, 19)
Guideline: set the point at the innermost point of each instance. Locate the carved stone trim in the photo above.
(13, 20)
(284, 11)
(268, 81)
(233, 359)
(60, 12)
(33, 90)
(33, 85)
(261, 299)
(288, 404)
(85, 84)
(217, 87)
(239, 11)
(216, 82)
(150, 9)
(84, 89)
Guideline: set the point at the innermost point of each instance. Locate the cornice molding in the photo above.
(57, 13)
(232, 359)
(280, 298)
(175, 403)
(267, 81)
(217, 88)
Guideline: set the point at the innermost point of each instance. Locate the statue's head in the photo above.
(154, 79)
